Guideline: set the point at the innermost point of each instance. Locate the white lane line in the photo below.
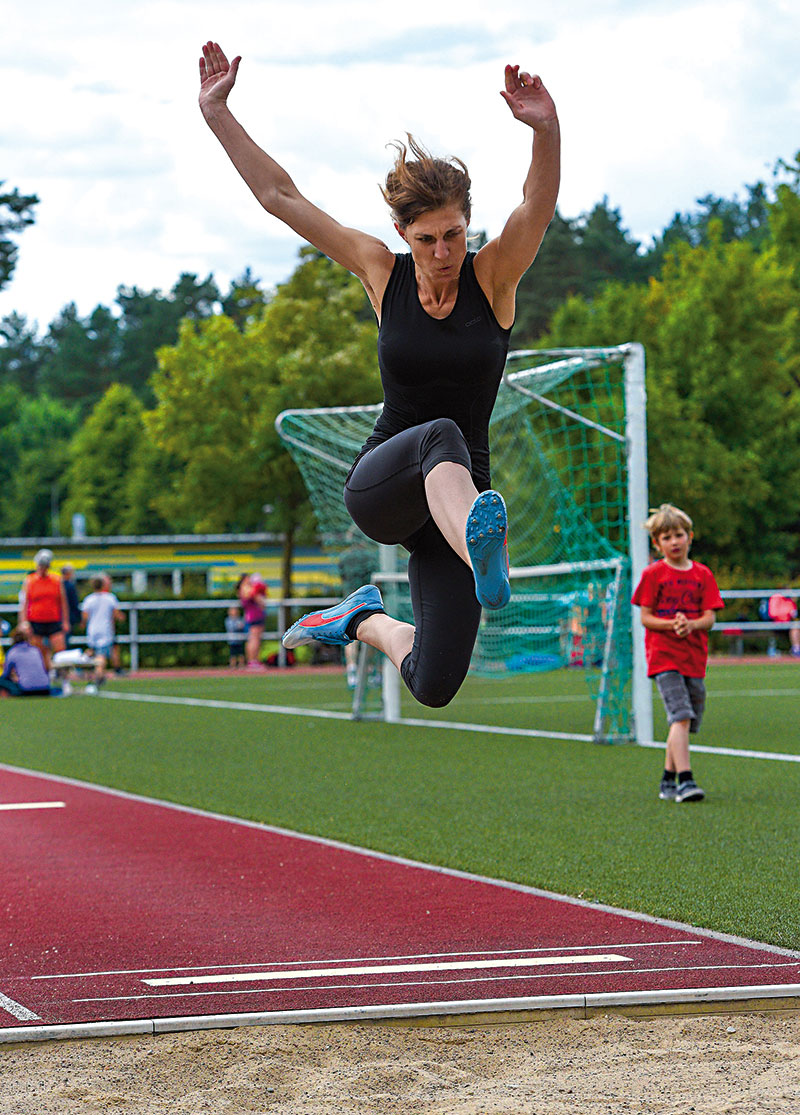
(365, 959)
(326, 714)
(502, 978)
(7, 806)
(447, 725)
(16, 1010)
(385, 969)
(737, 752)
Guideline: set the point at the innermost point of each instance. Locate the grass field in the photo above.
(569, 816)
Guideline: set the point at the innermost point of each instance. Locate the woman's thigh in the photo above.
(385, 491)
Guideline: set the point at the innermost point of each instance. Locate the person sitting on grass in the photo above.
(24, 672)
(678, 600)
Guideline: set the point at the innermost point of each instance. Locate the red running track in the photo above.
(116, 908)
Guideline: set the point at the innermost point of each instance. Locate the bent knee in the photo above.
(433, 692)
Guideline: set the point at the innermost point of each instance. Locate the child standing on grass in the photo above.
(678, 600)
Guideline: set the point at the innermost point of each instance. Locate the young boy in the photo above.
(678, 600)
(236, 630)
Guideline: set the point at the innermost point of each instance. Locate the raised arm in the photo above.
(364, 255)
(503, 261)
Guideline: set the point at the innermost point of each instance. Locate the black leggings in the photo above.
(385, 496)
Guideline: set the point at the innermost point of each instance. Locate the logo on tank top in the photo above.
(475, 321)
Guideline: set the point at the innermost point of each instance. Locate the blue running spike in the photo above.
(487, 532)
(330, 626)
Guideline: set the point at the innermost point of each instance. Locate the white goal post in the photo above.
(569, 452)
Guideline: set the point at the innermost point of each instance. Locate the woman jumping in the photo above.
(445, 315)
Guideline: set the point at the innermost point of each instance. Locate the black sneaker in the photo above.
(689, 791)
(668, 790)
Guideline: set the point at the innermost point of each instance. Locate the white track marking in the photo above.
(387, 969)
(501, 978)
(8, 806)
(452, 725)
(737, 752)
(16, 1010)
(368, 959)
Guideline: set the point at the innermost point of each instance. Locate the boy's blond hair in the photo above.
(665, 518)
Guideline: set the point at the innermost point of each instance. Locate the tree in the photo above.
(219, 390)
(81, 356)
(719, 329)
(733, 220)
(21, 353)
(149, 320)
(16, 213)
(576, 258)
(35, 434)
(245, 300)
(114, 469)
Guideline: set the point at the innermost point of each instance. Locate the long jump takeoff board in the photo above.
(123, 911)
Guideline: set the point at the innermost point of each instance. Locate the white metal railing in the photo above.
(135, 639)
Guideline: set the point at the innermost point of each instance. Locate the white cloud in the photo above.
(662, 101)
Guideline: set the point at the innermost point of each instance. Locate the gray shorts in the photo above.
(684, 698)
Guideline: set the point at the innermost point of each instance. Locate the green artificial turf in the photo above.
(572, 817)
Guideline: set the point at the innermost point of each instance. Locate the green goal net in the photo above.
(568, 454)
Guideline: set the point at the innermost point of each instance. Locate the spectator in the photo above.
(236, 629)
(115, 662)
(43, 605)
(252, 593)
(71, 594)
(24, 672)
(100, 609)
(783, 609)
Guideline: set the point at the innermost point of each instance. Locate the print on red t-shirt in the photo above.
(667, 591)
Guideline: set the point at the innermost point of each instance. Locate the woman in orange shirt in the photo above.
(43, 607)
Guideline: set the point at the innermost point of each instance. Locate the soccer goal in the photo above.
(568, 437)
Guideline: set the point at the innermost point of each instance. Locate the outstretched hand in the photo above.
(217, 75)
(528, 99)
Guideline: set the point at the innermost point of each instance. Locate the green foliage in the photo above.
(34, 433)
(576, 258)
(80, 356)
(719, 329)
(149, 319)
(114, 469)
(16, 213)
(245, 300)
(220, 388)
(20, 353)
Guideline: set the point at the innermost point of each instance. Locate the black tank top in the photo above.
(440, 368)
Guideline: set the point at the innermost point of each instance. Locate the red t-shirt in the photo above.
(667, 591)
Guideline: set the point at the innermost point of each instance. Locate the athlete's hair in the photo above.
(665, 518)
(420, 184)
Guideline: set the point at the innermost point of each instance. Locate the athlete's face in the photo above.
(438, 242)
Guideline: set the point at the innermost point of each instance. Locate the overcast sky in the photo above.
(661, 102)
